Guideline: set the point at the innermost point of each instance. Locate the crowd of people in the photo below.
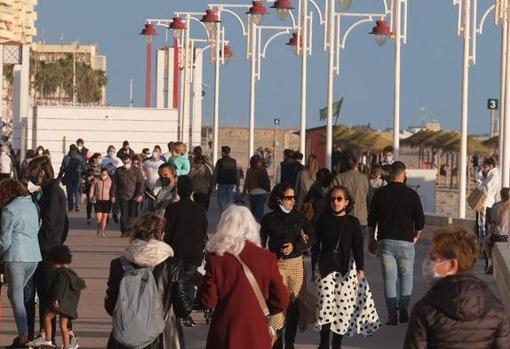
(254, 278)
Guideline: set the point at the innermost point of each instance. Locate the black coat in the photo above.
(347, 230)
(66, 289)
(186, 230)
(459, 311)
(169, 277)
(53, 213)
(281, 228)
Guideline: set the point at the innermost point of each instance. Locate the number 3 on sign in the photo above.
(492, 104)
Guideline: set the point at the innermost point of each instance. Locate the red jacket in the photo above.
(238, 321)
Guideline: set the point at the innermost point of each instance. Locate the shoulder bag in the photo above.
(260, 298)
(330, 262)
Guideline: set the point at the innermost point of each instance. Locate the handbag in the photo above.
(260, 298)
(476, 200)
(330, 262)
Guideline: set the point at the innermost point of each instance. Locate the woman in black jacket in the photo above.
(147, 250)
(52, 203)
(288, 233)
(345, 304)
(459, 311)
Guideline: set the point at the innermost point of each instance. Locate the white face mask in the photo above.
(80, 147)
(155, 155)
(127, 166)
(111, 154)
(285, 209)
(40, 152)
(32, 188)
(428, 270)
(104, 178)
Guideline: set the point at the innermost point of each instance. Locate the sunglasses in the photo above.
(337, 198)
(289, 197)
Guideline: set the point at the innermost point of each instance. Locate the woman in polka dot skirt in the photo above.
(345, 303)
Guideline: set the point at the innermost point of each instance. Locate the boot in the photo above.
(324, 343)
(337, 341)
(392, 319)
(403, 316)
(391, 304)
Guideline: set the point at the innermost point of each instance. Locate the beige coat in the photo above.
(358, 186)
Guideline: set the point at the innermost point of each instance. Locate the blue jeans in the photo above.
(17, 275)
(225, 195)
(397, 259)
(73, 194)
(257, 204)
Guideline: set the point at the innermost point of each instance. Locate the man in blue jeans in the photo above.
(226, 176)
(397, 213)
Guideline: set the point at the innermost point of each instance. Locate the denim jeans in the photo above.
(397, 259)
(73, 194)
(18, 274)
(129, 211)
(257, 204)
(189, 287)
(225, 195)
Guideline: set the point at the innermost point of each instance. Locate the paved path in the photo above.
(92, 257)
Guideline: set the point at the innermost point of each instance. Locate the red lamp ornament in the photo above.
(178, 26)
(283, 8)
(210, 18)
(257, 11)
(381, 31)
(149, 31)
(227, 53)
(293, 43)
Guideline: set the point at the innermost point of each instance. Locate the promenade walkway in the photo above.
(92, 257)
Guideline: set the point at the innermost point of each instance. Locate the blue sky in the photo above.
(431, 63)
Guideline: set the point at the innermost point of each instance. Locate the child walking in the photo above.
(179, 160)
(64, 294)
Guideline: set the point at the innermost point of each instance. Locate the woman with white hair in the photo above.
(234, 257)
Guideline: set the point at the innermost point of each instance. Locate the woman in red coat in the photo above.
(238, 320)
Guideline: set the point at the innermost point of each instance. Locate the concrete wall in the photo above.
(56, 128)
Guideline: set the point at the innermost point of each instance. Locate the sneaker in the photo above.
(73, 343)
(188, 322)
(17, 343)
(40, 342)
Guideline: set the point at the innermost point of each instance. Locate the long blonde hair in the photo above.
(312, 166)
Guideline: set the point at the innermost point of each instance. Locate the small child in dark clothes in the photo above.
(64, 294)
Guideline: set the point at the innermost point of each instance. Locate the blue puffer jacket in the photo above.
(18, 236)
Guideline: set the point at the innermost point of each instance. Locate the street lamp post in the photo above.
(149, 31)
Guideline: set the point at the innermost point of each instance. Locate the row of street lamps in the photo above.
(256, 49)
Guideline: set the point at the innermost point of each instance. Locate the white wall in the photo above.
(56, 128)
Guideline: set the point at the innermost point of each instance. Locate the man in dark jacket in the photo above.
(53, 232)
(125, 150)
(397, 213)
(70, 173)
(186, 232)
(226, 176)
(289, 168)
(82, 150)
(129, 192)
(459, 311)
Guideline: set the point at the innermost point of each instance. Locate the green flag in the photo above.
(337, 106)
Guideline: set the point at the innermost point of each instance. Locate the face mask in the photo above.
(388, 158)
(40, 152)
(428, 270)
(155, 155)
(32, 188)
(111, 154)
(127, 166)
(165, 181)
(80, 147)
(285, 209)
(104, 178)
